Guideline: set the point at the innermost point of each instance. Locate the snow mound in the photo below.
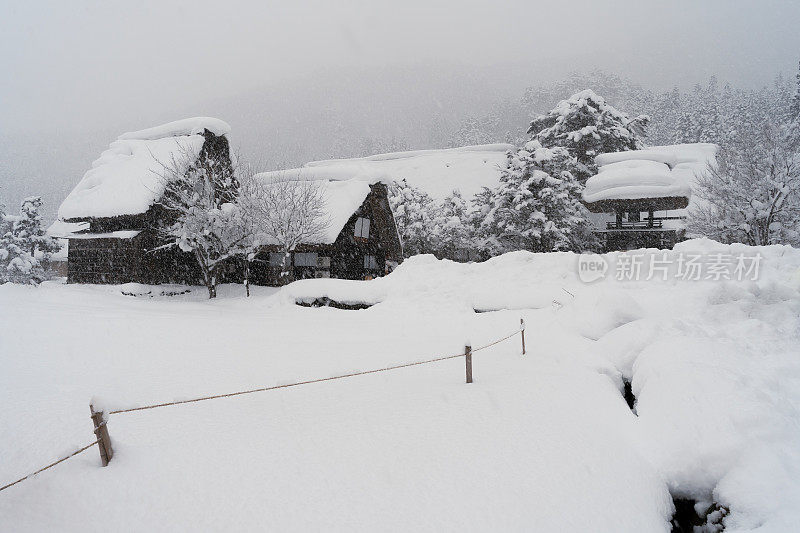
(128, 177)
(179, 128)
(437, 172)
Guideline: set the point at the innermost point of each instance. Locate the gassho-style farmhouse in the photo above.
(110, 219)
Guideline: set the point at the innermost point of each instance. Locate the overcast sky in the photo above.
(86, 64)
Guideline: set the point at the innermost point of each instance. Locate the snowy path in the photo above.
(543, 442)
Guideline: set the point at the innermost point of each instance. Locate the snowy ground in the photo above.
(543, 442)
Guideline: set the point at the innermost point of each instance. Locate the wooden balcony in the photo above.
(644, 224)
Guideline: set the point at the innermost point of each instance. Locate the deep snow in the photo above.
(539, 442)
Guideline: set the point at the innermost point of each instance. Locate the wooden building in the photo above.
(114, 212)
(639, 198)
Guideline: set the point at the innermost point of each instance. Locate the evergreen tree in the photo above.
(415, 213)
(585, 125)
(24, 246)
(794, 108)
(794, 112)
(536, 206)
(452, 231)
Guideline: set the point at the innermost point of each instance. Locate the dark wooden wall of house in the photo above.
(113, 260)
(347, 252)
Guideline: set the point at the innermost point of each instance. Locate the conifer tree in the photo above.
(414, 213)
(24, 246)
(536, 207)
(585, 125)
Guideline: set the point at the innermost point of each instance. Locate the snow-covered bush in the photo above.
(536, 207)
(585, 125)
(24, 246)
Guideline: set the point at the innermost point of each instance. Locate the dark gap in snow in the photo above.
(630, 399)
(692, 516)
(149, 294)
(327, 302)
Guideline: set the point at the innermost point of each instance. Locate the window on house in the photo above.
(362, 228)
(308, 259)
(275, 259)
(370, 262)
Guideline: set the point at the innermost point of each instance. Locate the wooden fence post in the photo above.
(101, 431)
(468, 358)
(522, 329)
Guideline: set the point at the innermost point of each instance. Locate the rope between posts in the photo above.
(51, 465)
(498, 341)
(262, 389)
(310, 381)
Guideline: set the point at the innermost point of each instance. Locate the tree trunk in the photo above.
(247, 277)
(286, 268)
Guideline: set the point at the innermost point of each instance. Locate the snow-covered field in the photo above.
(542, 442)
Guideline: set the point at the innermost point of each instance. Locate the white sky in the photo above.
(70, 64)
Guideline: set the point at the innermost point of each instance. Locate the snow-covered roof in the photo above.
(80, 230)
(437, 172)
(342, 198)
(123, 234)
(656, 172)
(127, 178)
(180, 128)
(62, 230)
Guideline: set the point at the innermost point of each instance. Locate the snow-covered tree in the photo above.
(414, 213)
(585, 125)
(24, 246)
(793, 117)
(536, 206)
(200, 197)
(452, 232)
(283, 212)
(753, 194)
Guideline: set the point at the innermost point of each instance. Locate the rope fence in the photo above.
(310, 381)
(51, 465)
(100, 419)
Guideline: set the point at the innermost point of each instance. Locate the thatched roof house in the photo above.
(113, 211)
